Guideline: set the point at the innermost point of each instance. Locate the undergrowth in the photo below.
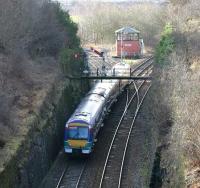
(165, 46)
(71, 56)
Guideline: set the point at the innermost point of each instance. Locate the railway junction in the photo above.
(117, 159)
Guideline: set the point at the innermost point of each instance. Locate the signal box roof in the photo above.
(126, 30)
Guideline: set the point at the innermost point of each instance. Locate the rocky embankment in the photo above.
(35, 151)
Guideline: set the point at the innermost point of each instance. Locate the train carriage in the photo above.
(84, 124)
(79, 129)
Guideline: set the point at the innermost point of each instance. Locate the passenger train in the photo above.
(83, 126)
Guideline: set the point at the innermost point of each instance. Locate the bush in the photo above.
(39, 28)
(71, 58)
(165, 46)
(179, 85)
(70, 27)
(32, 36)
(71, 61)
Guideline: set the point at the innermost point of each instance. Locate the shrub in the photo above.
(178, 84)
(32, 35)
(71, 61)
(70, 27)
(40, 28)
(166, 44)
(71, 58)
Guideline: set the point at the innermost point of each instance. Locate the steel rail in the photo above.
(114, 136)
(125, 110)
(143, 63)
(127, 95)
(99, 77)
(122, 117)
(128, 138)
(61, 177)
(79, 177)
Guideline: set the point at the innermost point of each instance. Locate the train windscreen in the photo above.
(78, 133)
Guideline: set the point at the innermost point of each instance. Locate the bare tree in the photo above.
(100, 21)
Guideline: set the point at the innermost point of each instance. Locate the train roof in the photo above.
(121, 69)
(91, 105)
(121, 65)
(87, 109)
(103, 88)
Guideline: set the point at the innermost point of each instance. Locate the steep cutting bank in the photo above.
(36, 150)
(38, 46)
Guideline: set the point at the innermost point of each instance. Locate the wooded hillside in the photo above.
(32, 36)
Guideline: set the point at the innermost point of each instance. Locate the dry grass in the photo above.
(176, 104)
(177, 98)
(21, 84)
(31, 37)
(181, 94)
(186, 88)
(32, 27)
(185, 100)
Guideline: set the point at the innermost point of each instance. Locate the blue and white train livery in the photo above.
(83, 126)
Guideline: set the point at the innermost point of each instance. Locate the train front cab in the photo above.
(78, 138)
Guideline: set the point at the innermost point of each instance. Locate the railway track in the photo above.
(72, 174)
(114, 163)
(96, 62)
